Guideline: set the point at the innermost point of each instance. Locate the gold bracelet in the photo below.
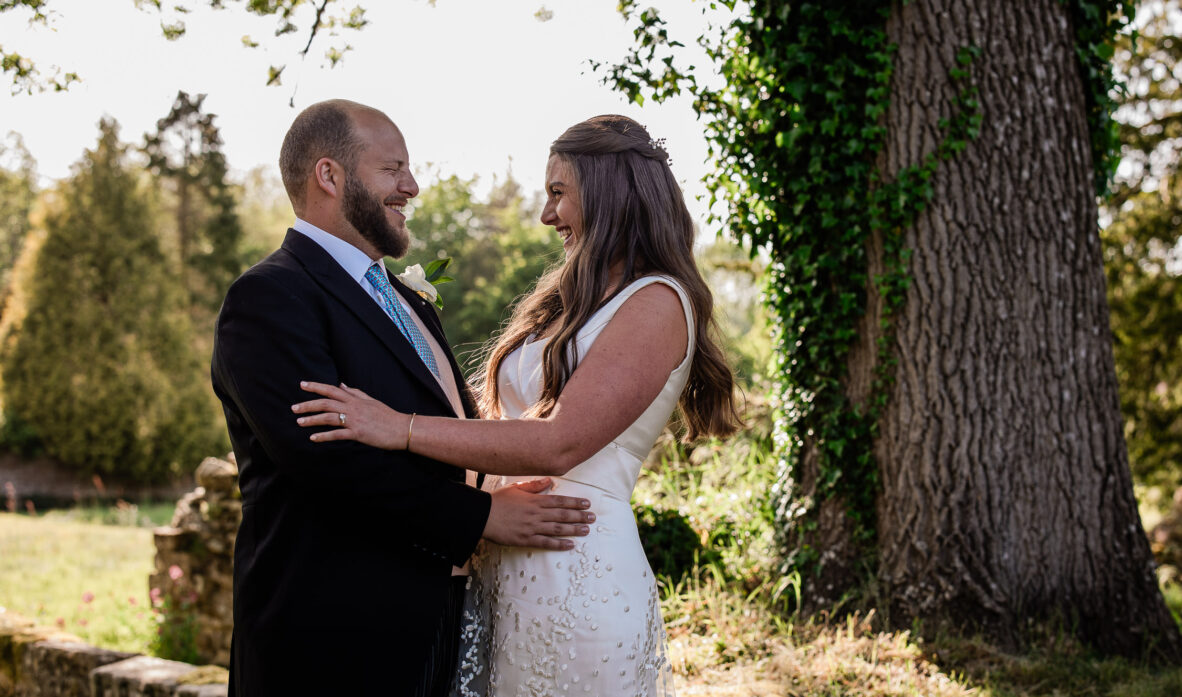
(409, 427)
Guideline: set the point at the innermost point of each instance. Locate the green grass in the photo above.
(149, 514)
(1171, 590)
(90, 580)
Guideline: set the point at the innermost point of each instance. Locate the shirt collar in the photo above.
(354, 261)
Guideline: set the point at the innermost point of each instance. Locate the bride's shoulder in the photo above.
(659, 286)
(657, 281)
(656, 296)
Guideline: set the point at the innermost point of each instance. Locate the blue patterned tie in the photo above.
(376, 275)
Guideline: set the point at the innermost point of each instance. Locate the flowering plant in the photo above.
(424, 281)
(174, 609)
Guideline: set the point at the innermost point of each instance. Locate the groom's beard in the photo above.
(367, 214)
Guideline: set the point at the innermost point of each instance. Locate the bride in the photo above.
(578, 387)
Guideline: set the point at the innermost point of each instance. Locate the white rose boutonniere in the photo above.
(424, 281)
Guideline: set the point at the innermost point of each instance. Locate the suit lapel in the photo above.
(329, 274)
(426, 312)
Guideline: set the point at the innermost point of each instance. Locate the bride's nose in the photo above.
(548, 215)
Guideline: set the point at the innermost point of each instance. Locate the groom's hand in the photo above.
(521, 516)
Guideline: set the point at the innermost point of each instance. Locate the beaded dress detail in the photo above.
(585, 621)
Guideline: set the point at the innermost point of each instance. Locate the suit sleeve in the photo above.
(269, 339)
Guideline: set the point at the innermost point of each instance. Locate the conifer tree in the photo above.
(101, 367)
(185, 153)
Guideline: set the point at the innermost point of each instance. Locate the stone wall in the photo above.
(43, 662)
(194, 577)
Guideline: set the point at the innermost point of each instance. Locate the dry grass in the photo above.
(748, 655)
(725, 645)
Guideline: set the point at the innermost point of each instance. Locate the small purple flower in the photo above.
(87, 597)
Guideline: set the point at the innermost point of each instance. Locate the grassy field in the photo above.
(729, 633)
(89, 579)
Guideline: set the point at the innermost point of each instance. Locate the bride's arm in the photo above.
(622, 373)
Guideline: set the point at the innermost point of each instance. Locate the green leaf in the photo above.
(436, 268)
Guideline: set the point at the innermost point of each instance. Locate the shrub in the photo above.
(670, 543)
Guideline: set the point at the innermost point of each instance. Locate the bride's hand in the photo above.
(356, 416)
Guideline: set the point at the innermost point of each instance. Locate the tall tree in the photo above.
(185, 153)
(101, 365)
(18, 191)
(1143, 246)
(1006, 483)
(923, 176)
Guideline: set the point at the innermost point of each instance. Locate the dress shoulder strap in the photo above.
(604, 315)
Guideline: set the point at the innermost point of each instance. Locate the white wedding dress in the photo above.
(585, 621)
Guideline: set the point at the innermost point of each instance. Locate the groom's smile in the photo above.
(379, 187)
(397, 208)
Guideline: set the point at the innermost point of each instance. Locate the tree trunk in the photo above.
(1006, 487)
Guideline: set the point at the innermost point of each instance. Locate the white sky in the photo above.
(476, 86)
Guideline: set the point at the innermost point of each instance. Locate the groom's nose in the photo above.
(408, 186)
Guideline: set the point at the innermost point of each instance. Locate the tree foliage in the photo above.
(101, 365)
(1143, 246)
(26, 77)
(265, 212)
(185, 154)
(500, 249)
(313, 17)
(796, 131)
(18, 192)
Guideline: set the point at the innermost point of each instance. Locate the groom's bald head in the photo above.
(325, 129)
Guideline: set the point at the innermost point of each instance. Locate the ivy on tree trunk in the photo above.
(923, 176)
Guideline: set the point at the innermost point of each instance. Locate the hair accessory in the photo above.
(658, 144)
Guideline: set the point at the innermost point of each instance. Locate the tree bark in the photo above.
(1006, 490)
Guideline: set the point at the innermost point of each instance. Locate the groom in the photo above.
(343, 565)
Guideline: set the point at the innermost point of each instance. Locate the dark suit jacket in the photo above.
(343, 559)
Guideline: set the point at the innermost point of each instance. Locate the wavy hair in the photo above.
(633, 214)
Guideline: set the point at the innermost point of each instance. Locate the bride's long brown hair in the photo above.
(633, 213)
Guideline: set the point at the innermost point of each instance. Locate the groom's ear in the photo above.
(329, 176)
